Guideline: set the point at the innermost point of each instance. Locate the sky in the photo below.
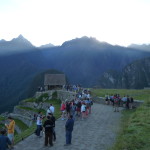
(121, 22)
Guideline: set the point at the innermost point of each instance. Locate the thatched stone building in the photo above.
(54, 81)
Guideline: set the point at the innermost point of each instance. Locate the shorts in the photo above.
(11, 136)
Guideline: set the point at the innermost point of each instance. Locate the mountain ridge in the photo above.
(83, 61)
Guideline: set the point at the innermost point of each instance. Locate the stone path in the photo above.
(97, 132)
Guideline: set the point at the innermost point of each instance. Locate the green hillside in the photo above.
(135, 125)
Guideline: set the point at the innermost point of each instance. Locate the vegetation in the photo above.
(137, 94)
(54, 95)
(1, 124)
(37, 100)
(21, 125)
(27, 132)
(135, 126)
(32, 109)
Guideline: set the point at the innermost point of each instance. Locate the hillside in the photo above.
(82, 60)
(133, 76)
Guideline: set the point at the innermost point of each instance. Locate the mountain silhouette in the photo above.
(82, 60)
(16, 45)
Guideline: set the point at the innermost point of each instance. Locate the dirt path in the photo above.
(97, 132)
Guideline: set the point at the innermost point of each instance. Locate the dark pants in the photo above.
(68, 137)
(38, 130)
(54, 134)
(48, 138)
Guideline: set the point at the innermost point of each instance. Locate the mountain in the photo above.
(47, 46)
(145, 47)
(16, 45)
(83, 60)
(133, 76)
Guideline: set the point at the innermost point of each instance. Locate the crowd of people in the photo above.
(80, 108)
(116, 101)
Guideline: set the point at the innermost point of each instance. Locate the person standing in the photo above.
(53, 120)
(63, 110)
(69, 128)
(52, 108)
(39, 124)
(4, 140)
(131, 102)
(48, 126)
(127, 103)
(11, 128)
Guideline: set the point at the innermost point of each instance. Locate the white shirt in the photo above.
(48, 111)
(52, 109)
(39, 121)
(83, 108)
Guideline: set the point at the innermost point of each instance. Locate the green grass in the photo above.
(56, 103)
(135, 130)
(30, 100)
(37, 100)
(137, 94)
(2, 119)
(27, 132)
(21, 125)
(135, 125)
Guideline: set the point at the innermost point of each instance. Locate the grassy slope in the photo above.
(135, 126)
(31, 130)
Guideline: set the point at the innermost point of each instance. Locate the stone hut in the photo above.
(54, 81)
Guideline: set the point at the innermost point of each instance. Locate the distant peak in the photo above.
(2, 40)
(20, 36)
(20, 39)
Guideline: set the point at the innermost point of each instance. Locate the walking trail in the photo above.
(97, 132)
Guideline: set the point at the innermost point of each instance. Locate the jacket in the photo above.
(48, 125)
(11, 127)
(4, 141)
(69, 125)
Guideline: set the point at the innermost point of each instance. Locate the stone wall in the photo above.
(34, 105)
(61, 94)
(26, 120)
(24, 112)
(101, 100)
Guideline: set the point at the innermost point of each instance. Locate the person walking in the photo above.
(4, 140)
(11, 128)
(48, 126)
(69, 128)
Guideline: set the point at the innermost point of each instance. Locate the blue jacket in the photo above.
(4, 141)
(69, 125)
